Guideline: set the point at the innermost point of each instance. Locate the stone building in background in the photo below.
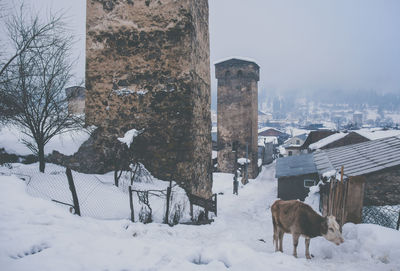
(237, 112)
(147, 68)
(76, 99)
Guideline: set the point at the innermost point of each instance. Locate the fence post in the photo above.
(398, 222)
(73, 191)
(168, 197)
(235, 178)
(216, 205)
(131, 204)
(191, 210)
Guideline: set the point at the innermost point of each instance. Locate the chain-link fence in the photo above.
(387, 216)
(98, 197)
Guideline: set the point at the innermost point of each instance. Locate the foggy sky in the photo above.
(299, 45)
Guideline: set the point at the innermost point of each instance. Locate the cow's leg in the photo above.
(308, 248)
(275, 237)
(295, 243)
(281, 233)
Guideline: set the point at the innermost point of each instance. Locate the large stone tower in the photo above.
(147, 68)
(237, 112)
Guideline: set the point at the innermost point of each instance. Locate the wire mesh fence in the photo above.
(99, 198)
(387, 216)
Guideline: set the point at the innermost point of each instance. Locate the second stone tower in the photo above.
(237, 113)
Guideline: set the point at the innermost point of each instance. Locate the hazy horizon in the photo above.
(301, 46)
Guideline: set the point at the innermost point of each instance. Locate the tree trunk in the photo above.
(116, 178)
(42, 163)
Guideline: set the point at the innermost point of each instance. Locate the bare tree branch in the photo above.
(32, 90)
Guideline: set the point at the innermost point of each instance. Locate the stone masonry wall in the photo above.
(147, 67)
(383, 187)
(237, 113)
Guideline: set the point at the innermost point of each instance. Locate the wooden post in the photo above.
(235, 178)
(330, 203)
(216, 208)
(168, 197)
(73, 191)
(340, 198)
(191, 211)
(131, 204)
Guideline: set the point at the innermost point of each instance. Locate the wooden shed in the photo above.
(374, 165)
(296, 174)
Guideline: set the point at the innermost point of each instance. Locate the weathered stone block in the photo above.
(147, 68)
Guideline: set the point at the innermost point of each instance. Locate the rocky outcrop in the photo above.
(147, 67)
(96, 155)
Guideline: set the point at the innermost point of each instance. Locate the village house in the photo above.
(374, 165)
(266, 147)
(296, 174)
(268, 132)
(293, 145)
(377, 161)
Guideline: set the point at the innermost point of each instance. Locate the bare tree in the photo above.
(32, 90)
(23, 33)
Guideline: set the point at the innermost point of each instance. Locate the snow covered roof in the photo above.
(315, 136)
(263, 129)
(295, 165)
(362, 158)
(327, 140)
(373, 134)
(302, 136)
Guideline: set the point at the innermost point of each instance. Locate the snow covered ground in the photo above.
(36, 234)
(67, 143)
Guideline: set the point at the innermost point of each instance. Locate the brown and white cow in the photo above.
(298, 218)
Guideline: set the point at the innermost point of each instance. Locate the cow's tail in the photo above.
(274, 223)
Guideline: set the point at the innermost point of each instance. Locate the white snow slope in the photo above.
(36, 234)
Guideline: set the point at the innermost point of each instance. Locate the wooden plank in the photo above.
(355, 198)
(207, 204)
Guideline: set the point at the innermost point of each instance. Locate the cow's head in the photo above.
(331, 230)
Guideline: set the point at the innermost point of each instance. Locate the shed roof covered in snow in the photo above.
(362, 158)
(316, 136)
(338, 140)
(378, 134)
(295, 165)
